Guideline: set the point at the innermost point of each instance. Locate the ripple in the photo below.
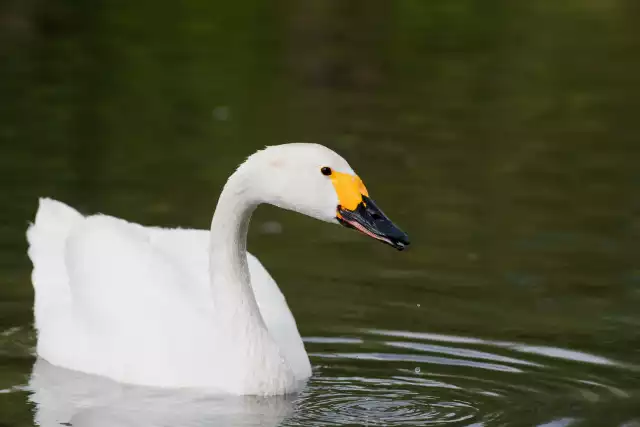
(395, 378)
(393, 357)
(388, 402)
(461, 352)
(555, 352)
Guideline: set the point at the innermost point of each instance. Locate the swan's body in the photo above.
(180, 308)
(127, 301)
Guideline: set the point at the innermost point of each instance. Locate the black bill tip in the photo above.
(370, 220)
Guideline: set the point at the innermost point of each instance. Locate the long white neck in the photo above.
(231, 289)
(242, 333)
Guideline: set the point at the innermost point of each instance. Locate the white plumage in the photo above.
(176, 307)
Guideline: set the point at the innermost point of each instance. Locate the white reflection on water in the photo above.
(460, 352)
(433, 360)
(562, 422)
(547, 351)
(64, 397)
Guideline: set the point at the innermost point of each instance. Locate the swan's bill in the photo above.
(370, 220)
(349, 188)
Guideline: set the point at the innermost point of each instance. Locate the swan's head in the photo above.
(313, 180)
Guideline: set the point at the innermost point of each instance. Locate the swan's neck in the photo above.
(233, 295)
(240, 327)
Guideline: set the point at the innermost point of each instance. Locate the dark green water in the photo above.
(503, 136)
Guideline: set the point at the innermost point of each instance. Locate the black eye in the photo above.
(326, 171)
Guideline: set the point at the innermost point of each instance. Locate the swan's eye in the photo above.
(326, 171)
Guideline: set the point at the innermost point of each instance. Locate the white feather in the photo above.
(176, 307)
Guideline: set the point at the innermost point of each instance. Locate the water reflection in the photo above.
(559, 353)
(65, 397)
(377, 378)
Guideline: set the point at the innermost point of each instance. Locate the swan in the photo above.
(181, 308)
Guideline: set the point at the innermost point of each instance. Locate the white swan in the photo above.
(189, 308)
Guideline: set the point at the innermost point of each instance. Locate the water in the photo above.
(372, 377)
(502, 136)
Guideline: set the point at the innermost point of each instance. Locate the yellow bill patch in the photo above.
(349, 188)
